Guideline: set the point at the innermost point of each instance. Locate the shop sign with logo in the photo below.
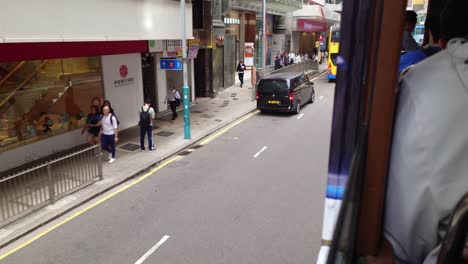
(123, 71)
(310, 26)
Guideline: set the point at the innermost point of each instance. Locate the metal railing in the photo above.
(26, 191)
(305, 66)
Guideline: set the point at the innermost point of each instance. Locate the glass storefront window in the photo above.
(44, 98)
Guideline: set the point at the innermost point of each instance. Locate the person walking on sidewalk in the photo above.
(147, 115)
(109, 132)
(240, 69)
(93, 126)
(173, 99)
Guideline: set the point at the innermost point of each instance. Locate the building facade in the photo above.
(51, 71)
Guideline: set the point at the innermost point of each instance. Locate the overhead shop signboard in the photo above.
(306, 25)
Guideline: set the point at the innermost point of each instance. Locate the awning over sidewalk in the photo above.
(274, 7)
(313, 18)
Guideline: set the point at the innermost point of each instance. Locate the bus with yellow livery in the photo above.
(333, 47)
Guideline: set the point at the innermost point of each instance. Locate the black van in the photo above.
(284, 92)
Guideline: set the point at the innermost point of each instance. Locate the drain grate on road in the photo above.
(184, 153)
(207, 116)
(165, 133)
(218, 120)
(235, 98)
(130, 147)
(196, 146)
(197, 111)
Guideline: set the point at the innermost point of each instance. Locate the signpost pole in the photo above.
(264, 37)
(185, 88)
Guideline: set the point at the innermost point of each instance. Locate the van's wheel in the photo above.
(312, 98)
(297, 110)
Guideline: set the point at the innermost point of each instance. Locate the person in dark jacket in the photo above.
(93, 125)
(240, 70)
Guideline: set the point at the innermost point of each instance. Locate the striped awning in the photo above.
(274, 7)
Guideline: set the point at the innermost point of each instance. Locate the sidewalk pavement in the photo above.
(207, 115)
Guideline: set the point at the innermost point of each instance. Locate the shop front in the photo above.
(309, 27)
(46, 93)
(309, 36)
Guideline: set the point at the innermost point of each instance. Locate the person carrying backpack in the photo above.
(109, 132)
(147, 115)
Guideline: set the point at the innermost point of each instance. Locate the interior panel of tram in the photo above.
(370, 115)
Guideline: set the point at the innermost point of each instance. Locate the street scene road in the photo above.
(253, 194)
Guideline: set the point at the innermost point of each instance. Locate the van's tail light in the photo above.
(291, 97)
(258, 95)
(329, 68)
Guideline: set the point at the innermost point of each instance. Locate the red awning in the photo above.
(10, 52)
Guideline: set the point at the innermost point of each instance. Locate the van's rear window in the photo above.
(271, 86)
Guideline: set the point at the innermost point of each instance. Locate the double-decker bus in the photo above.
(333, 48)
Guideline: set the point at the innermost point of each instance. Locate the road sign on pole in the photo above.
(185, 88)
(170, 64)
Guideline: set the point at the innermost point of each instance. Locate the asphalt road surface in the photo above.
(254, 194)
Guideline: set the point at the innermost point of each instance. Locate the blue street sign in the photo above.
(171, 64)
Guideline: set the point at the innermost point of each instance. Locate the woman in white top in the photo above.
(173, 98)
(109, 133)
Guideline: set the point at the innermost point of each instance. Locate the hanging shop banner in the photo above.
(192, 50)
(310, 26)
(249, 54)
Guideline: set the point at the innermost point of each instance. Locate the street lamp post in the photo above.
(185, 88)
